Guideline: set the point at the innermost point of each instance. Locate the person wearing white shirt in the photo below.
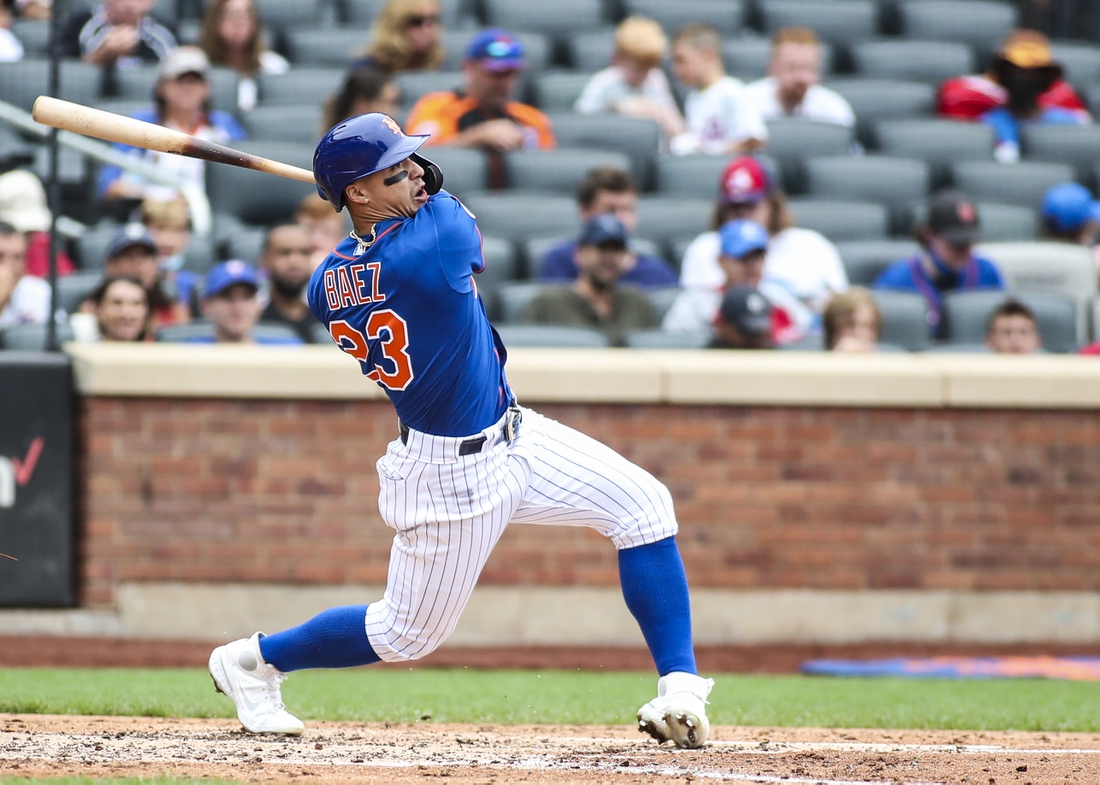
(24, 299)
(10, 48)
(634, 85)
(801, 261)
(720, 118)
(792, 87)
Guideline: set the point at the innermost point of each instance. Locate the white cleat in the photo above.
(240, 673)
(679, 712)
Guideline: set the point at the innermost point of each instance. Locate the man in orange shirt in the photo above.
(483, 114)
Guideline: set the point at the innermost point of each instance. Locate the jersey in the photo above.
(408, 310)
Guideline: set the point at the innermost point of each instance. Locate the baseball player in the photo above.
(398, 295)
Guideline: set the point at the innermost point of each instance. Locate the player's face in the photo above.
(137, 261)
(621, 205)
(233, 313)
(372, 198)
(123, 312)
(1015, 334)
(288, 257)
(796, 68)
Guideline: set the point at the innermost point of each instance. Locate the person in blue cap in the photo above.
(1070, 214)
(229, 301)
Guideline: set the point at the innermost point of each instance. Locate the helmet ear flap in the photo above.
(433, 175)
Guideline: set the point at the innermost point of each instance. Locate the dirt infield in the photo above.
(36, 746)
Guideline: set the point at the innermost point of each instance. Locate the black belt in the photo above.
(508, 432)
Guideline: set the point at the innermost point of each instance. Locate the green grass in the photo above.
(569, 697)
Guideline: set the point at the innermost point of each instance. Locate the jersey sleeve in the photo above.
(458, 241)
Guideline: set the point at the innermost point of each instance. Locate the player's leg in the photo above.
(576, 480)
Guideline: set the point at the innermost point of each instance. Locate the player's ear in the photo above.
(355, 192)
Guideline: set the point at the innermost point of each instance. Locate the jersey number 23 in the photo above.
(392, 333)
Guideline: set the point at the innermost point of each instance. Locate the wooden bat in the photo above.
(113, 127)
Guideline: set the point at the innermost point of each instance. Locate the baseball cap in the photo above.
(497, 50)
(183, 60)
(23, 201)
(747, 309)
(954, 217)
(226, 274)
(1067, 206)
(742, 237)
(744, 180)
(602, 229)
(131, 235)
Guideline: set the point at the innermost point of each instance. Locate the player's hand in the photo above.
(499, 135)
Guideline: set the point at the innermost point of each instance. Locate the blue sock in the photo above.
(656, 592)
(336, 638)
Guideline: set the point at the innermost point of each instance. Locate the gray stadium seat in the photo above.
(256, 197)
(904, 319)
(690, 175)
(501, 267)
(32, 337)
(1021, 183)
(966, 316)
(325, 46)
(918, 61)
(958, 348)
(465, 169)
(662, 299)
(300, 85)
(893, 182)
(810, 343)
(591, 50)
(663, 218)
(74, 289)
(884, 99)
(416, 84)
(518, 217)
(34, 35)
(549, 336)
(320, 336)
(557, 91)
(726, 17)
(980, 23)
(513, 299)
(246, 244)
(1076, 145)
(72, 167)
(791, 140)
(275, 331)
(184, 333)
(865, 259)
(841, 220)
(747, 56)
(640, 139)
(557, 170)
(286, 14)
(123, 106)
(1081, 61)
(558, 19)
(23, 81)
(659, 339)
(300, 123)
(137, 84)
(363, 12)
(936, 142)
(91, 248)
(837, 21)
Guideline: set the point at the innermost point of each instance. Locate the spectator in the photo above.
(10, 48)
(635, 85)
(232, 37)
(946, 262)
(24, 299)
(364, 90)
(1012, 330)
(744, 321)
(169, 224)
(121, 309)
(613, 191)
(1070, 215)
(116, 33)
(596, 300)
(483, 114)
(720, 118)
(34, 9)
(799, 260)
(743, 252)
(853, 322)
(133, 254)
(326, 227)
(287, 259)
(406, 38)
(182, 97)
(792, 87)
(230, 303)
(23, 205)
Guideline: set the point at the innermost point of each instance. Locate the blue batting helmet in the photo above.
(357, 147)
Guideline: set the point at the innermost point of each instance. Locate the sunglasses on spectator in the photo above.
(421, 20)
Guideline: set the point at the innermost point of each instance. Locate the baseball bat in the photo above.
(113, 127)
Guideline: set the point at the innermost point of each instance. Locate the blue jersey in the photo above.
(408, 310)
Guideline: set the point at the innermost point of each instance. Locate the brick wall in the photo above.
(285, 492)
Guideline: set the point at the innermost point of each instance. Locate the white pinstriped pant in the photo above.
(450, 510)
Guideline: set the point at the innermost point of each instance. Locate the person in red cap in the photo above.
(800, 260)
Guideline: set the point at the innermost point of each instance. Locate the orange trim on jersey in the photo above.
(439, 114)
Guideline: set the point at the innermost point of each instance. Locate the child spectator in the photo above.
(635, 85)
(232, 37)
(133, 254)
(406, 38)
(121, 309)
(853, 322)
(364, 90)
(1012, 330)
(169, 224)
(1070, 214)
(720, 118)
(23, 205)
(792, 87)
(24, 299)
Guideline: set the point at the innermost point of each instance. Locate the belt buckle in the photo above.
(511, 424)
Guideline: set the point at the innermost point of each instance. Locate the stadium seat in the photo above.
(662, 299)
(726, 17)
(918, 61)
(591, 50)
(865, 259)
(513, 298)
(659, 339)
(884, 99)
(557, 91)
(123, 106)
(501, 267)
(32, 337)
(747, 56)
(416, 84)
(540, 335)
(74, 289)
(184, 333)
(958, 348)
(34, 35)
(465, 169)
(809, 343)
(904, 319)
(517, 217)
(1021, 183)
(200, 255)
(558, 19)
(694, 176)
(558, 170)
(791, 140)
(293, 123)
(137, 84)
(23, 81)
(255, 197)
(893, 182)
(300, 86)
(837, 21)
(966, 317)
(980, 23)
(640, 139)
(662, 218)
(246, 244)
(841, 220)
(1076, 145)
(72, 168)
(315, 47)
(363, 12)
(1081, 61)
(91, 248)
(283, 15)
(936, 142)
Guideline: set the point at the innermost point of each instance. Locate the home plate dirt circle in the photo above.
(37, 746)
